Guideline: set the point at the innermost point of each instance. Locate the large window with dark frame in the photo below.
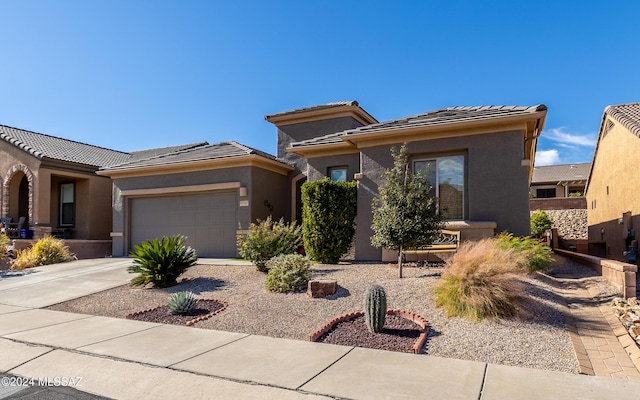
(67, 204)
(446, 176)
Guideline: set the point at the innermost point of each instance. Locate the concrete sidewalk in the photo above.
(128, 359)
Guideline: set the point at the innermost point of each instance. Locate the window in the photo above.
(545, 193)
(338, 174)
(67, 204)
(446, 176)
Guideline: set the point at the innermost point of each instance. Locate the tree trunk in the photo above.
(400, 263)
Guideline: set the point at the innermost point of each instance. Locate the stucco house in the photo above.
(563, 180)
(613, 204)
(206, 192)
(51, 182)
(480, 161)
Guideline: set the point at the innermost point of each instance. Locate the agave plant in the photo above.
(161, 262)
(182, 303)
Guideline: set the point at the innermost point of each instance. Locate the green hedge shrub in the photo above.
(267, 239)
(328, 214)
(161, 262)
(288, 273)
(540, 223)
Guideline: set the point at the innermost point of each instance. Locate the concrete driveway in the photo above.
(52, 284)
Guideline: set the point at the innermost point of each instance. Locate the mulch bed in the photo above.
(206, 309)
(399, 334)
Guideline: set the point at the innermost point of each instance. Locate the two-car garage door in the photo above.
(209, 220)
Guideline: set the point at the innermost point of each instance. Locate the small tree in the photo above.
(540, 223)
(328, 214)
(405, 214)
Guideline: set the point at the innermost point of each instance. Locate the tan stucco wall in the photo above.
(11, 156)
(613, 190)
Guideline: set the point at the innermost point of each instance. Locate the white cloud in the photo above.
(558, 135)
(547, 157)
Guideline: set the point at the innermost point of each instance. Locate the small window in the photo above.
(67, 204)
(338, 174)
(545, 193)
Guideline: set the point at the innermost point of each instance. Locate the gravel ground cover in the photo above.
(536, 338)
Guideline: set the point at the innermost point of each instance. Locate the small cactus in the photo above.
(375, 308)
(182, 303)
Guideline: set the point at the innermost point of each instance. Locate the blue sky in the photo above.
(132, 75)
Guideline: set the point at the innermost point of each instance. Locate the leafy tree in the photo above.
(540, 223)
(328, 214)
(405, 214)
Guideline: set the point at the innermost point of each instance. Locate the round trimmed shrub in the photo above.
(288, 273)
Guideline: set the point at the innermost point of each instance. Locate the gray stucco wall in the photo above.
(318, 168)
(261, 185)
(496, 185)
(288, 134)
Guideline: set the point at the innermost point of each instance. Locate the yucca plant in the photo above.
(161, 262)
(182, 303)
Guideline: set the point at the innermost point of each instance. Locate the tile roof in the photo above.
(194, 153)
(44, 146)
(561, 173)
(314, 108)
(432, 118)
(628, 115)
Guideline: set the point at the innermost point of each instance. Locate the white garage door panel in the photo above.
(208, 220)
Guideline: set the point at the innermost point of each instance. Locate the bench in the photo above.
(445, 242)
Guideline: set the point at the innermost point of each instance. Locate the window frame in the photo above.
(344, 168)
(436, 186)
(61, 210)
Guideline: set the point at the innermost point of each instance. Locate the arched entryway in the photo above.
(17, 193)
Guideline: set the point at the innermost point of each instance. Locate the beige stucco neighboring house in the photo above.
(613, 204)
(52, 183)
(480, 160)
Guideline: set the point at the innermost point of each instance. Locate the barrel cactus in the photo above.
(182, 303)
(375, 308)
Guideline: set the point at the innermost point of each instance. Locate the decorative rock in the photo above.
(634, 331)
(321, 287)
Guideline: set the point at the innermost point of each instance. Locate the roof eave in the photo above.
(354, 111)
(321, 150)
(249, 160)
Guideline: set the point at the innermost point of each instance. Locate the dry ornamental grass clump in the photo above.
(478, 281)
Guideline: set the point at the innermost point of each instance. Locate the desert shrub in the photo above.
(267, 239)
(537, 255)
(4, 245)
(161, 262)
(182, 303)
(576, 194)
(288, 273)
(540, 223)
(328, 214)
(45, 251)
(478, 281)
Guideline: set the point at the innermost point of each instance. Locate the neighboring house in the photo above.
(613, 203)
(52, 183)
(479, 160)
(559, 180)
(207, 193)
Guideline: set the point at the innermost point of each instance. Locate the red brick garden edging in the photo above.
(314, 336)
